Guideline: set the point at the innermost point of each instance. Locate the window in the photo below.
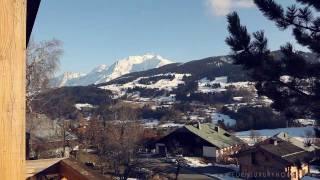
(253, 158)
(294, 175)
(226, 134)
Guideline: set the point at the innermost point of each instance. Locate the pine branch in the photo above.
(275, 12)
(313, 3)
(304, 27)
(294, 89)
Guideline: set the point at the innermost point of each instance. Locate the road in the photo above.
(186, 173)
(191, 174)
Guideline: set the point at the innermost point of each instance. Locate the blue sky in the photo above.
(102, 31)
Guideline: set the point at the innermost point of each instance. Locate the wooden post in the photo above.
(12, 89)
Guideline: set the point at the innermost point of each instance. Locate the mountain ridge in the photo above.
(209, 67)
(133, 67)
(104, 73)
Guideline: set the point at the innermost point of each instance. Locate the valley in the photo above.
(207, 90)
(154, 103)
(160, 90)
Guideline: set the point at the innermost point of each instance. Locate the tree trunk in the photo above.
(64, 139)
(178, 170)
(12, 89)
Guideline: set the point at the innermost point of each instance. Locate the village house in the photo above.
(279, 157)
(200, 140)
(307, 145)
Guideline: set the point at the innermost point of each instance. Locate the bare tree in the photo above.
(122, 141)
(177, 152)
(255, 136)
(309, 138)
(117, 140)
(43, 59)
(66, 136)
(94, 134)
(122, 144)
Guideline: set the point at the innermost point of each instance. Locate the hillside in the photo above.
(208, 74)
(210, 89)
(210, 67)
(67, 102)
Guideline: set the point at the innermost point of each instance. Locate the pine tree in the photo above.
(289, 77)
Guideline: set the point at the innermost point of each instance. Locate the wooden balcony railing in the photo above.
(59, 168)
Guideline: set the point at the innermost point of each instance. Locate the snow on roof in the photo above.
(79, 106)
(196, 162)
(293, 131)
(214, 135)
(306, 122)
(282, 136)
(167, 125)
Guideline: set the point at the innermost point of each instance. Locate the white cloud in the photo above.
(223, 7)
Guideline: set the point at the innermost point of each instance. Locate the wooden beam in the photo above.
(12, 89)
(71, 169)
(42, 166)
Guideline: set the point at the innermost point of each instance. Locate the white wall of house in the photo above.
(209, 151)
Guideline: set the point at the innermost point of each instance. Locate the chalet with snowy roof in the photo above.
(278, 157)
(201, 140)
(307, 145)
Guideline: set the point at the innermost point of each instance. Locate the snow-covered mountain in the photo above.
(104, 73)
(65, 78)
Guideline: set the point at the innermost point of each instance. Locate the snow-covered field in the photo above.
(79, 106)
(167, 99)
(297, 132)
(150, 123)
(224, 118)
(306, 122)
(163, 84)
(169, 125)
(196, 162)
(315, 169)
(207, 86)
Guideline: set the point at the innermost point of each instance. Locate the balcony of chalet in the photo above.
(59, 169)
